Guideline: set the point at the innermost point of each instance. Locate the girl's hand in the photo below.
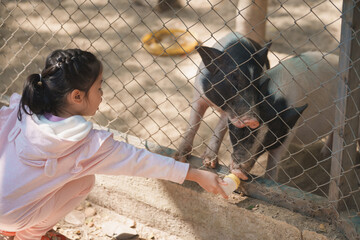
(207, 180)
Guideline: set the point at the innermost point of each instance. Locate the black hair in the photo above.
(65, 71)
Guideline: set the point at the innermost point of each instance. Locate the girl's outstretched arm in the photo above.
(207, 180)
(120, 158)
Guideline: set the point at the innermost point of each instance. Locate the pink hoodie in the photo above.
(37, 157)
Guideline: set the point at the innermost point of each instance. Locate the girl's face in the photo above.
(93, 98)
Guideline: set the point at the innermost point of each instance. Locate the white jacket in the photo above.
(37, 157)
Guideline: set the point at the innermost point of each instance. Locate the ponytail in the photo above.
(33, 96)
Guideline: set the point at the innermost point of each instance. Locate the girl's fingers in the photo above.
(219, 189)
(223, 193)
(221, 181)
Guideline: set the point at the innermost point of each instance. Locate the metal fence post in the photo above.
(344, 186)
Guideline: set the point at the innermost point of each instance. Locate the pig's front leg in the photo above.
(198, 109)
(327, 148)
(210, 155)
(242, 161)
(272, 161)
(274, 157)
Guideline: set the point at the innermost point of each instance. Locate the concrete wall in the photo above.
(187, 211)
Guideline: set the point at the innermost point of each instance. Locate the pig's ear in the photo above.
(264, 52)
(211, 58)
(291, 115)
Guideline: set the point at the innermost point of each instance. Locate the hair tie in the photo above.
(40, 81)
(60, 61)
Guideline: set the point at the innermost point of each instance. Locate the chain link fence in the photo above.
(149, 96)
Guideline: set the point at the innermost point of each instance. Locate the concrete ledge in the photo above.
(185, 210)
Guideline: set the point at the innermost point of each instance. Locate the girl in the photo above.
(49, 153)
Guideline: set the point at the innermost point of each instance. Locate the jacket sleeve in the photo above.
(120, 158)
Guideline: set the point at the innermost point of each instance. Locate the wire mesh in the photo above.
(151, 96)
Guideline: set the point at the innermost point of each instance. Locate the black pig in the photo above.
(224, 83)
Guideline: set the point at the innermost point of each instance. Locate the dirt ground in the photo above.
(93, 228)
(148, 96)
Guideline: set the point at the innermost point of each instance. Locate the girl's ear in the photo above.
(76, 96)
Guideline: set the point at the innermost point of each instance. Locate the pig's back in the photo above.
(308, 79)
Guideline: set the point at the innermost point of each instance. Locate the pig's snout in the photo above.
(245, 121)
(237, 171)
